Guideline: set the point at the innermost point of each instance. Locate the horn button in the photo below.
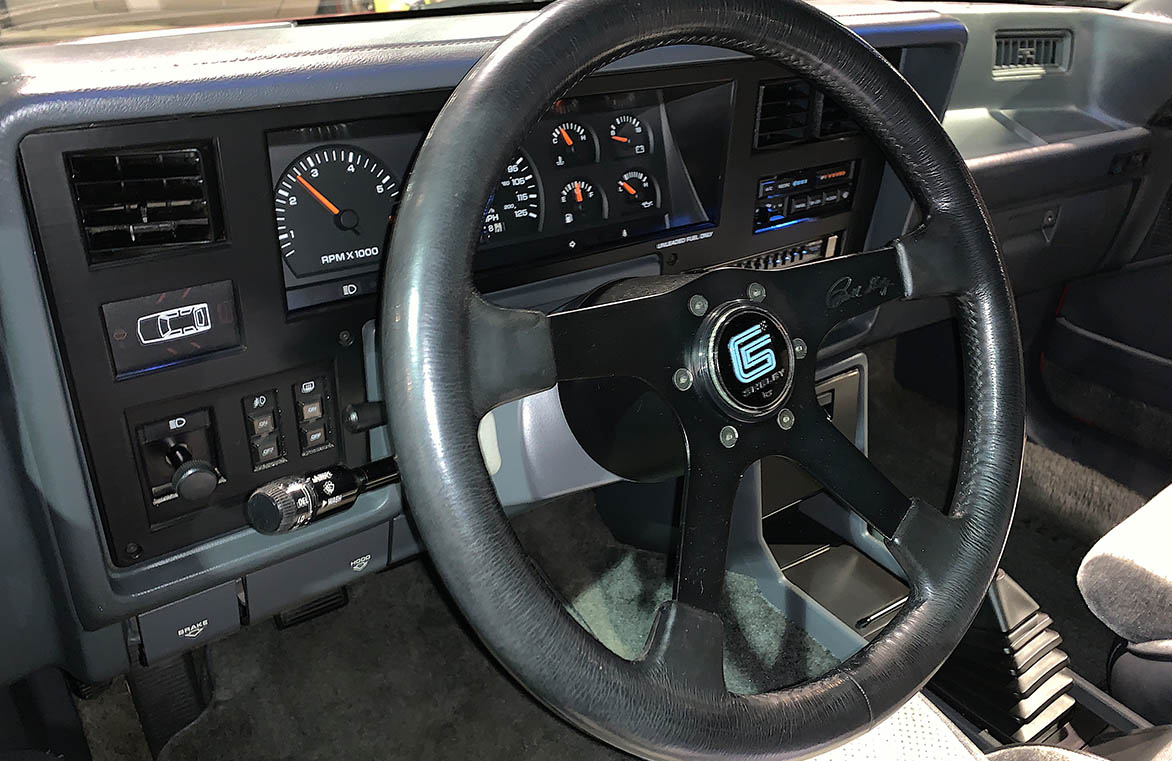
(746, 360)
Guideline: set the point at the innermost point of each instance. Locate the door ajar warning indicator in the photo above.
(173, 324)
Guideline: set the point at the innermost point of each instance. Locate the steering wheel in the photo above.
(449, 357)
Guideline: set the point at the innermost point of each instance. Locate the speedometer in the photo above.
(515, 208)
(333, 207)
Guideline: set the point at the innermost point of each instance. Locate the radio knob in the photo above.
(281, 505)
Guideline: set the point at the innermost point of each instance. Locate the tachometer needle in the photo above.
(578, 192)
(320, 198)
(628, 188)
(565, 136)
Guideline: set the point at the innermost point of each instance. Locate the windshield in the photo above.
(24, 21)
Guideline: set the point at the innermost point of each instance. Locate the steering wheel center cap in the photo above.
(747, 359)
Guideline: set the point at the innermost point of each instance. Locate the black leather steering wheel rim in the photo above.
(448, 357)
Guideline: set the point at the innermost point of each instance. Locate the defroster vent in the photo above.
(130, 202)
(1031, 52)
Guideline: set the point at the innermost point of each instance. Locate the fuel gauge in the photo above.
(582, 204)
(639, 192)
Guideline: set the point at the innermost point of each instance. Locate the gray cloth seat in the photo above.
(1126, 580)
(920, 732)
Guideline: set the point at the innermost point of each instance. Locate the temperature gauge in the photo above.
(573, 145)
(638, 191)
(628, 136)
(582, 204)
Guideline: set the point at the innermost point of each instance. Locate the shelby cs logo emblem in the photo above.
(751, 355)
(749, 360)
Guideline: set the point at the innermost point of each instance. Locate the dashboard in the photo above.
(154, 318)
(212, 275)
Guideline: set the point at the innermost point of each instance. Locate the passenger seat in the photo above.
(1126, 580)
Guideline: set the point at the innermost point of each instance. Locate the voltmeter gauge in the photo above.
(333, 206)
(628, 136)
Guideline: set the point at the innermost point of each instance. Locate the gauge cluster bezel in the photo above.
(623, 132)
(276, 341)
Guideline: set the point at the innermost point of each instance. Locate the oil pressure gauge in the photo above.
(638, 191)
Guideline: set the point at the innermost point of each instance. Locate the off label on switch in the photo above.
(312, 418)
(261, 414)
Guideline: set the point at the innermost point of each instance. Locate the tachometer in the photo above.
(333, 206)
(515, 208)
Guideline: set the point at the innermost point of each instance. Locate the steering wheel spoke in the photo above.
(815, 297)
(511, 354)
(686, 647)
(705, 516)
(616, 339)
(834, 461)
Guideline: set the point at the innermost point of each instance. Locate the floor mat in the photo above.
(1063, 507)
(398, 675)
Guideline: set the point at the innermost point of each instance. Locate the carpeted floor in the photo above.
(398, 675)
(1063, 507)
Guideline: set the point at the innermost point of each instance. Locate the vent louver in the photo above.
(784, 108)
(834, 121)
(1031, 52)
(132, 201)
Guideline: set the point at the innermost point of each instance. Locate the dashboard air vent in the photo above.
(132, 201)
(834, 121)
(784, 108)
(1032, 52)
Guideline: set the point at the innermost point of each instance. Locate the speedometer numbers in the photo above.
(333, 205)
(515, 208)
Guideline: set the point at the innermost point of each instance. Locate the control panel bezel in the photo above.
(273, 343)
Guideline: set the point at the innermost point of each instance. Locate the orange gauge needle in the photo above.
(628, 188)
(620, 139)
(320, 198)
(577, 192)
(565, 136)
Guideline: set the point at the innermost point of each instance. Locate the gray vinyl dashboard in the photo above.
(1033, 144)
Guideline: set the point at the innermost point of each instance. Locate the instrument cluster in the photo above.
(599, 170)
